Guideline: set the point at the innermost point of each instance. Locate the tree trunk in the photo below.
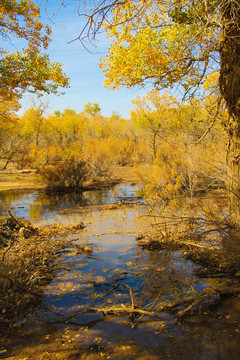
(230, 90)
(154, 145)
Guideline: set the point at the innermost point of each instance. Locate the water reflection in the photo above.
(37, 206)
(165, 276)
(100, 279)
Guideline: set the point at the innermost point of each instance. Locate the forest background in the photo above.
(171, 135)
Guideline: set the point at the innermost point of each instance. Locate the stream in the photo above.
(116, 270)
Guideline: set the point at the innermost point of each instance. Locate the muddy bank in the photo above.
(28, 261)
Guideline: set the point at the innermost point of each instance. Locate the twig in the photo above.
(131, 296)
(10, 244)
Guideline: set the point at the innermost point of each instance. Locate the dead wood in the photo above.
(182, 308)
(215, 260)
(17, 221)
(83, 249)
(25, 228)
(132, 311)
(123, 310)
(200, 303)
(28, 263)
(179, 243)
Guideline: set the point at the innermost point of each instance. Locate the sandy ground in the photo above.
(20, 179)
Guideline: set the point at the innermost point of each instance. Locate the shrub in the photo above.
(66, 176)
(100, 159)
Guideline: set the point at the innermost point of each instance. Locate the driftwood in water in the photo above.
(132, 311)
(124, 310)
(152, 243)
(83, 249)
(114, 310)
(192, 305)
(17, 221)
(199, 303)
(129, 199)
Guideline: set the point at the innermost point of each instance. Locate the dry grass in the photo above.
(22, 180)
(27, 263)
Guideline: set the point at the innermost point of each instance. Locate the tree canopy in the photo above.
(28, 69)
(159, 42)
(92, 108)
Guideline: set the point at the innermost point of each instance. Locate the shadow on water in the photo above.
(104, 279)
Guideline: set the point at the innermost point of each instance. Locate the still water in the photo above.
(104, 279)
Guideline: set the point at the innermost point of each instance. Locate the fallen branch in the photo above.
(175, 304)
(131, 296)
(9, 246)
(196, 304)
(187, 243)
(133, 311)
(17, 221)
(124, 310)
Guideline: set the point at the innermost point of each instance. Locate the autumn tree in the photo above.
(175, 43)
(28, 69)
(72, 124)
(9, 123)
(92, 108)
(33, 121)
(154, 114)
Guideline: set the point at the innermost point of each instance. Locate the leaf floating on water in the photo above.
(127, 249)
(130, 263)
(97, 340)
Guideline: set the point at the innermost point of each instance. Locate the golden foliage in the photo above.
(160, 42)
(29, 69)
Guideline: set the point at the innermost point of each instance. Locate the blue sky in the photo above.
(86, 78)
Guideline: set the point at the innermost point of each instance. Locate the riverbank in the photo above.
(30, 180)
(20, 180)
(28, 264)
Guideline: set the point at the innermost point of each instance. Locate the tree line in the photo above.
(180, 141)
(164, 44)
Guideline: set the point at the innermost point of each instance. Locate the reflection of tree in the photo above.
(40, 204)
(206, 339)
(97, 197)
(10, 198)
(44, 204)
(165, 275)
